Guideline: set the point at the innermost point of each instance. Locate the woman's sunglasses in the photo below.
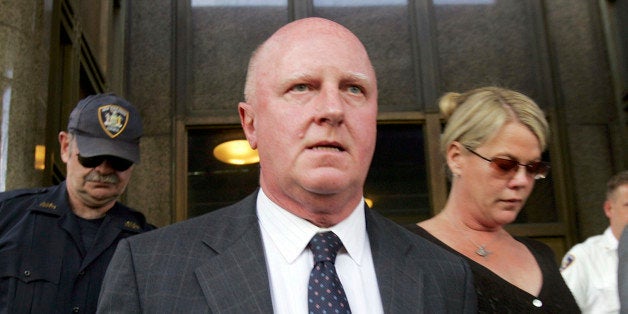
(118, 164)
(538, 169)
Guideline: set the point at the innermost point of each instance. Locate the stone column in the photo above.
(24, 63)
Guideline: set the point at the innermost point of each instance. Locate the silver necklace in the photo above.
(481, 249)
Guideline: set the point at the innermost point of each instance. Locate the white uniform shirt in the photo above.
(289, 260)
(590, 271)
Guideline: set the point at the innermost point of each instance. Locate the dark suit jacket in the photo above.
(622, 271)
(215, 264)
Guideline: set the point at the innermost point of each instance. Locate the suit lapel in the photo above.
(236, 279)
(394, 272)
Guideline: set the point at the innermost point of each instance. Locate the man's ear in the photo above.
(247, 120)
(64, 141)
(608, 207)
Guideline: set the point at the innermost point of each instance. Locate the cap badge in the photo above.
(113, 119)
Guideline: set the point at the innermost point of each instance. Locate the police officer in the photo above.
(56, 242)
(590, 268)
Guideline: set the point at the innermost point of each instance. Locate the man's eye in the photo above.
(300, 88)
(355, 90)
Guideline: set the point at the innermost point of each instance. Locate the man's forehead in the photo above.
(307, 32)
(317, 52)
(311, 26)
(309, 48)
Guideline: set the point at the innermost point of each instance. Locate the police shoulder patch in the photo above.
(567, 260)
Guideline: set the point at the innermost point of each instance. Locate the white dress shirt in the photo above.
(590, 271)
(289, 260)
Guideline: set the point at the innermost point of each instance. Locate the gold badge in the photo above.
(113, 119)
(131, 225)
(48, 205)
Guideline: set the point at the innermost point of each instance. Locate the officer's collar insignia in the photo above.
(48, 205)
(113, 119)
(568, 260)
(131, 225)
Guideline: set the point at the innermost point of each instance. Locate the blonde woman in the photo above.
(492, 145)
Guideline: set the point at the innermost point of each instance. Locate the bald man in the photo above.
(310, 110)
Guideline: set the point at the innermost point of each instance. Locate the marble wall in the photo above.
(149, 74)
(24, 62)
(583, 83)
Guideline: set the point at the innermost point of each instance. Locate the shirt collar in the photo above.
(609, 239)
(291, 234)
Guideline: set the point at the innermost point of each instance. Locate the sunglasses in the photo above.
(118, 164)
(538, 169)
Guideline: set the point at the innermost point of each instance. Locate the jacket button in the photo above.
(27, 273)
(81, 273)
(76, 309)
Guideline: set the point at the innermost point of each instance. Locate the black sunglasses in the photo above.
(118, 164)
(538, 169)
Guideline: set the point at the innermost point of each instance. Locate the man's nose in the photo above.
(330, 108)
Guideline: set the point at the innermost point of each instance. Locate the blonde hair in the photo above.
(474, 117)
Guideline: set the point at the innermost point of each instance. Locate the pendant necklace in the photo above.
(481, 249)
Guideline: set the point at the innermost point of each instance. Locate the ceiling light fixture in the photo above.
(236, 152)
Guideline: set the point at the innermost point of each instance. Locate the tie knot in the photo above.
(325, 246)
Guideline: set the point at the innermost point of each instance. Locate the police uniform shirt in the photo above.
(45, 264)
(590, 271)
